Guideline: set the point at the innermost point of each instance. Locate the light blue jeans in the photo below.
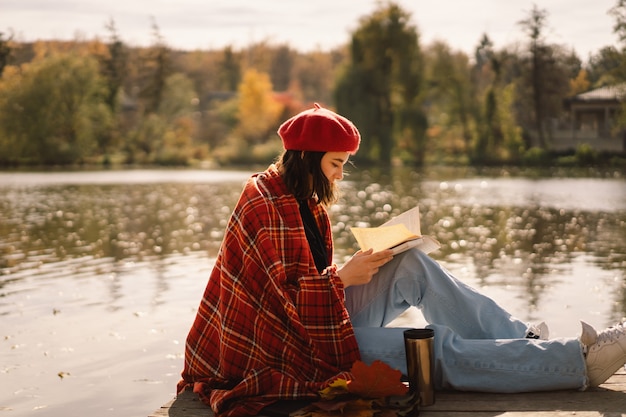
(478, 346)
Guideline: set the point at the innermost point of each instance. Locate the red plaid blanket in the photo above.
(269, 326)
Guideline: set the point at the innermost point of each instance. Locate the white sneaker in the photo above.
(606, 351)
(539, 331)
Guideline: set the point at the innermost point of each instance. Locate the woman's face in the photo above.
(332, 165)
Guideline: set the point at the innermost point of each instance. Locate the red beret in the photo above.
(319, 130)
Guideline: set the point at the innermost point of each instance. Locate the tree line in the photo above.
(106, 102)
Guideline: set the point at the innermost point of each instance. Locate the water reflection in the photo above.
(515, 230)
(123, 221)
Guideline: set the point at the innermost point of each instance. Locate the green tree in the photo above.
(281, 68)
(545, 79)
(497, 134)
(380, 87)
(53, 110)
(179, 97)
(619, 13)
(486, 78)
(509, 145)
(450, 86)
(258, 56)
(314, 76)
(177, 109)
(230, 70)
(617, 74)
(534, 25)
(166, 135)
(605, 67)
(114, 66)
(570, 62)
(156, 68)
(147, 128)
(619, 28)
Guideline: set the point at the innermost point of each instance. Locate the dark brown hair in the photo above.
(302, 173)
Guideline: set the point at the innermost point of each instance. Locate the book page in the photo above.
(400, 234)
(383, 237)
(410, 218)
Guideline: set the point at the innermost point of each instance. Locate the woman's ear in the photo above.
(302, 155)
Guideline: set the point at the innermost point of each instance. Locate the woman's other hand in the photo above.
(362, 266)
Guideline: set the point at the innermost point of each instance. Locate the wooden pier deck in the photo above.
(608, 400)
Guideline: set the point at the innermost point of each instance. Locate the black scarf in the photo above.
(314, 236)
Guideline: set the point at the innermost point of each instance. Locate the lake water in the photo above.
(101, 272)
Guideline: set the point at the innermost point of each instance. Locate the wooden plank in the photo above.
(186, 404)
(608, 400)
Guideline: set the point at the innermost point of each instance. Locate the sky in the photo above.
(582, 25)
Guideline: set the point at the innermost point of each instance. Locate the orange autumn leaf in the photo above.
(376, 380)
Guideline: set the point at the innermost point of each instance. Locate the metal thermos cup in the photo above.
(418, 344)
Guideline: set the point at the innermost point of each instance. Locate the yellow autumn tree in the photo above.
(580, 84)
(258, 111)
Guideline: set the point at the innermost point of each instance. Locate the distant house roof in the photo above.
(606, 93)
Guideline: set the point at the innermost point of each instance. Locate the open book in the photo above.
(399, 234)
